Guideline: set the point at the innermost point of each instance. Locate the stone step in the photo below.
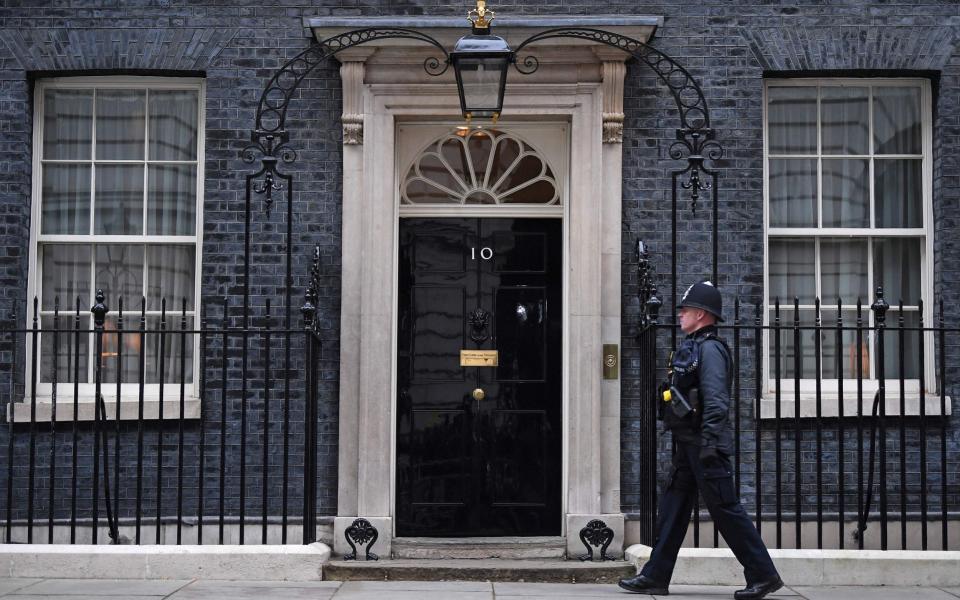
(541, 571)
(547, 547)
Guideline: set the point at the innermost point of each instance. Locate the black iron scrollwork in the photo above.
(479, 321)
(694, 136)
(596, 533)
(650, 303)
(696, 146)
(361, 531)
(270, 136)
(312, 295)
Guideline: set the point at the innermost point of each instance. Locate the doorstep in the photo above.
(544, 547)
(540, 571)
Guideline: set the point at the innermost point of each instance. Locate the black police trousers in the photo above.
(715, 483)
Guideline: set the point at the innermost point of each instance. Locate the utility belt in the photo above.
(679, 404)
(679, 408)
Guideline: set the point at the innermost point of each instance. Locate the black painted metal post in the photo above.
(311, 341)
(758, 397)
(181, 416)
(841, 480)
(650, 305)
(266, 423)
(142, 371)
(736, 393)
(776, 420)
(818, 374)
(902, 450)
(225, 324)
(163, 372)
(117, 415)
(923, 431)
(880, 308)
(76, 430)
(53, 419)
(202, 382)
(11, 405)
(860, 495)
(797, 372)
(99, 310)
(943, 429)
(31, 464)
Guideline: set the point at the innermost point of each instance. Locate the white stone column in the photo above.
(363, 479)
(605, 407)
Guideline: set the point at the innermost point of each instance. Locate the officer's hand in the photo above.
(709, 457)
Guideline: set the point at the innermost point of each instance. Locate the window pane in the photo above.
(172, 201)
(848, 354)
(66, 199)
(119, 200)
(896, 267)
(846, 193)
(119, 272)
(172, 342)
(896, 120)
(843, 270)
(507, 151)
(67, 124)
(170, 271)
(792, 271)
(121, 349)
(899, 193)
(66, 274)
(173, 125)
(121, 122)
(844, 120)
(71, 351)
(792, 120)
(790, 357)
(911, 346)
(793, 193)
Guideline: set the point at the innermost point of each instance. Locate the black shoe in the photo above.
(641, 584)
(759, 589)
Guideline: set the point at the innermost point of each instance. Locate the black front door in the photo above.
(479, 447)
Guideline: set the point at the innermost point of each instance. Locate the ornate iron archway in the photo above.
(695, 143)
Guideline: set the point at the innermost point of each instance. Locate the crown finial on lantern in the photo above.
(480, 17)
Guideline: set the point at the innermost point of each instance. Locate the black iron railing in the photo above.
(160, 428)
(842, 423)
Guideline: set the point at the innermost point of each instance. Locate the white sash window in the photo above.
(117, 206)
(848, 208)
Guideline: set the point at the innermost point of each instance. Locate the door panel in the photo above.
(468, 467)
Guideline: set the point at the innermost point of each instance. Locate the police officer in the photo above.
(695, 408)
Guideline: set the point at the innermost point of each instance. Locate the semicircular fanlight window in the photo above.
(480, 166)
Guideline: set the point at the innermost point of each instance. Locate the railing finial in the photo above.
(99, 309)
(880, 308)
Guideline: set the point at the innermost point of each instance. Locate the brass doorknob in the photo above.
(478, 394)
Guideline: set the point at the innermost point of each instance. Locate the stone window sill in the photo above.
(830, 404)
(129, 409)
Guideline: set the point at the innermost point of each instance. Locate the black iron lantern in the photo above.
(480, 62)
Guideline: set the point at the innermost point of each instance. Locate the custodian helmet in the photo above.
(705, 296)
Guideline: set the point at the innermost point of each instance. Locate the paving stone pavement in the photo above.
(103, 589)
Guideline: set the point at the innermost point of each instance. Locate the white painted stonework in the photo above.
(718, 566)
(571, 91)
(77, 561)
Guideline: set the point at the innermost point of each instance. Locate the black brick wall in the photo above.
(728, 46)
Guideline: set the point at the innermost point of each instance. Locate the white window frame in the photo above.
(828, 387)
(129, 393)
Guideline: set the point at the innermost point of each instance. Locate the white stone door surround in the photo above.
(579, 84)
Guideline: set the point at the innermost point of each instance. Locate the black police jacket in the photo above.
(702, 373)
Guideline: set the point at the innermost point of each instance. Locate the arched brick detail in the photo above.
(184, 49)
